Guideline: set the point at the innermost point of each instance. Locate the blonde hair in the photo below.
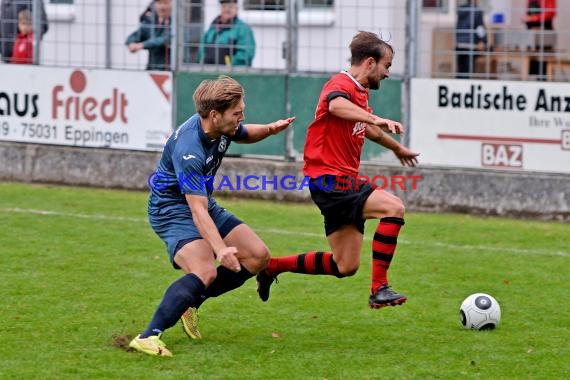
(25, 16)
(217, 94)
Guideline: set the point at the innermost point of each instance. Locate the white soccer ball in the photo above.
(480, 311)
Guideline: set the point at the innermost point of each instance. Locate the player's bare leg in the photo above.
(203, 265)
(346, 243)
(253, 255)
(343, 261)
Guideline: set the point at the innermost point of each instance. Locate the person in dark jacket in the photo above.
(539, 17)
(153, 35)
(470, 37)
(229, 40)
(146, 15)
(9, 11)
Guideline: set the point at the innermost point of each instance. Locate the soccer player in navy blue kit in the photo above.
(183, 213)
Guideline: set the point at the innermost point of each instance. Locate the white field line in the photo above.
(435, 244)
(71, 215)
(276, 231)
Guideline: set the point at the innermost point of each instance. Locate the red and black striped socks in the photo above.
(383, 248)
(308, 263)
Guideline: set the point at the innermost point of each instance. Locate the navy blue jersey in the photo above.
(188, 165)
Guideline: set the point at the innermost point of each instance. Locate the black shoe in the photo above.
(385, 296)
(264, 282)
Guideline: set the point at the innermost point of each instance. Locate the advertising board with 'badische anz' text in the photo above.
(491, 124)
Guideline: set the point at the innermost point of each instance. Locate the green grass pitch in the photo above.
(81, 270)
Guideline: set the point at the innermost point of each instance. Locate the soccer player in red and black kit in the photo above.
(332, 159)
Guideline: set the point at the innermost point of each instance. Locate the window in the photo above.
(60, 10)
(318, 3)
(435, 5)
(279, 5)
(264, 5)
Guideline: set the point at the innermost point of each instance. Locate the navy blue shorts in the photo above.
(341, 203)
(179, 229)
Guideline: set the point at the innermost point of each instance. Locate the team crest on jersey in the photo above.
(358, 128)
(223, 144)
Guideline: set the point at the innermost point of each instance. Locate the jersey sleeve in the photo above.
(189, 166)
(241, 133)
(338, 87)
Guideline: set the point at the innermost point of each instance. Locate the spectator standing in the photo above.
(146, 15)
(9, 11)
(539, 16)
(470, 37)
(23, 51)
(153, 35)
(229, 40)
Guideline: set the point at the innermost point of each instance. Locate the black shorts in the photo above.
(341, 201)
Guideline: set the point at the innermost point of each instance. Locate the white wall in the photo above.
(324, 34)
(76, 35)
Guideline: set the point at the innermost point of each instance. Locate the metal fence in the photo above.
(523, 40)
(300, 36)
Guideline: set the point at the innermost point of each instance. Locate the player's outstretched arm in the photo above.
(405, 155)
(345, 109)
(257, 132)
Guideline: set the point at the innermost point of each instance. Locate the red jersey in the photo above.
(540, 11)
(333, 145)
(23, 51)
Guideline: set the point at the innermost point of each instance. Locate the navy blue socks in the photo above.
(227, 280)
(182, 294)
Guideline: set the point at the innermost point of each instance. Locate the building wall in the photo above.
(324, 35)
(76, 35)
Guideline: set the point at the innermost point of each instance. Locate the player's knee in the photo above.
(347, 269)
(262, 255)
(259, 258)
(208, 275)
(396, 208)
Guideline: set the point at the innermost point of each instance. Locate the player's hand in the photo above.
(227, 257)
(406, 156)
(389, 126)
(280, 125)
